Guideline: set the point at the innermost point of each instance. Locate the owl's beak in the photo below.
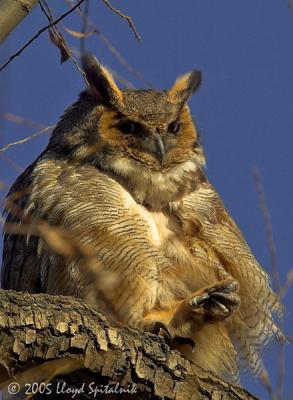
(160, 148)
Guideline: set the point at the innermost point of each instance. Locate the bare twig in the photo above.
(111, 48)
(281, 370)
(265, 380)
(124, 16)
(48, 128)
(268, 229)
(10, 162)
(275, 277)
(84, 26)
(45, 28)
(288, 283)
(54, 34)
(17, 119)
(77, 34)
(2, 187)
(60, 39)
(46, 10)
(119, 78)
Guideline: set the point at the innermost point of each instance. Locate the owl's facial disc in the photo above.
(142, 138)
(146, 138)
(155, 141)
(151, 130)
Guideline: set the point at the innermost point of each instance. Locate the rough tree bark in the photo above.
(35, 329)
(12, 12)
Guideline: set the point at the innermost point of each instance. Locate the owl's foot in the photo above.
(166, 332)
(157, 327)
(178, 323)
(215, 302)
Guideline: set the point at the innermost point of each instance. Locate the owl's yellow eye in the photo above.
(128, 126)
(174, 127)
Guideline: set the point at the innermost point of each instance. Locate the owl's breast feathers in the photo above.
(191, 243)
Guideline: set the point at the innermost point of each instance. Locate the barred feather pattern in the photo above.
(105, 217)
(139, 200)
(253, 326)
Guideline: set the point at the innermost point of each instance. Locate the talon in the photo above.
(227, 286)
(225, 310)
(230, 298)
(160, 325)
(232, 286)
(198, 300)
(179, 340)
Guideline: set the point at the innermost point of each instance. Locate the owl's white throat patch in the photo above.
(156, 189)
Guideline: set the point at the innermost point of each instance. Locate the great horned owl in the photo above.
(124, 173)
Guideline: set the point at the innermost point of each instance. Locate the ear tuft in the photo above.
(184, 87)
(101, 81)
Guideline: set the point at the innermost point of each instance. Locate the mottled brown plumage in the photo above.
(124, 173)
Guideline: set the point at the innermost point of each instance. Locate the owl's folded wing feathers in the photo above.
(253, 326)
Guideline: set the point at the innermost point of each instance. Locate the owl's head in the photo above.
(145, 138)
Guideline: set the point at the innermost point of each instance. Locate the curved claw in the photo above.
(222, 308)
(160, 325)
(180, 340)
(198, 300)
(230, 298)
(228, 287)
(169, 338)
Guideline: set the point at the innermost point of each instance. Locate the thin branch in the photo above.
(268, 229)
(3, 186)
(62, 45)
(10, 162)
(84, 26)
(77, 34)
(288, 283)
(119, 78)
(45, 28)
(265, 380)
(111, 48)
(17, 119)
(124, 16)
(46, 10)
(275, 276)
(27, 138)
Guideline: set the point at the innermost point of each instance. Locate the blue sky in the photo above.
(244, 109)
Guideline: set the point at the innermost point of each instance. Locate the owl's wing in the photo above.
(18, 255)
(100, 214)
(20, 266)
(252, 326)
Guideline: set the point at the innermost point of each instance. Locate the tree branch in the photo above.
(124, 16)
(37, 328)
(45, 28)
(12, 12)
